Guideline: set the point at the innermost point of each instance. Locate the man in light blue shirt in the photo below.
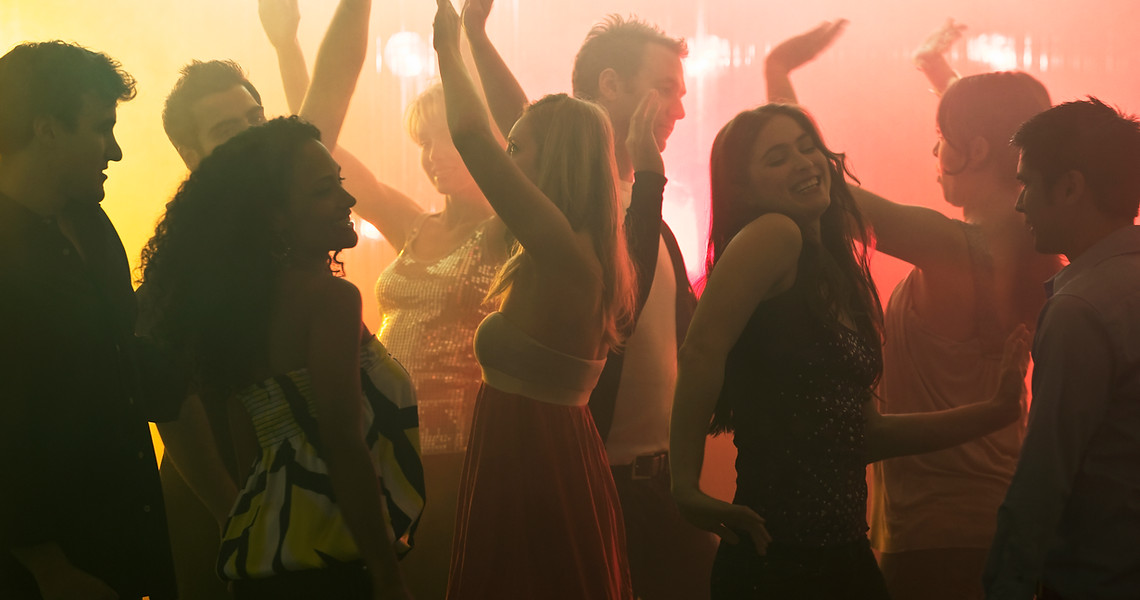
(1070, 523)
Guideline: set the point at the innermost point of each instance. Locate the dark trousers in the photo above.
(668, 557)
(938, 574)
(847, 572)
(342, 582)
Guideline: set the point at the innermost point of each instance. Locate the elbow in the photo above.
(693, 356)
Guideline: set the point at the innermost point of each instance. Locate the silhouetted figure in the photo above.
(1070, 519)
(241, 273)
(81, 510)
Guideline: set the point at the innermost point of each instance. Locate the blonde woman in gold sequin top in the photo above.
(432, 297)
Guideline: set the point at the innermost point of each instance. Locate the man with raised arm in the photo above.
(81, 508)
(1069, 523)
(620, 61)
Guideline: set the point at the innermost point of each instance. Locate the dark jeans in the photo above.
(839, 573)
(669, 559)
(343, 582)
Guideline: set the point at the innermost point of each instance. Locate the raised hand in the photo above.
(279, 19)
(641, 143)
(1011, 382)
(937, 43)
(795, 51)
(723, 519)
(475, 13)
(445, 27)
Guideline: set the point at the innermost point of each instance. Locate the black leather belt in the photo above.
(648, 466)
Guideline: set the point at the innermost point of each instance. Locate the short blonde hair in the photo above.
(426, 110)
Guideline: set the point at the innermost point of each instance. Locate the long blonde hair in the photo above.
(577, 172)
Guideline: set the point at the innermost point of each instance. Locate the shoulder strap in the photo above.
(417, 224)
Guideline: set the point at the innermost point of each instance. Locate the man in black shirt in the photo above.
(81, 513)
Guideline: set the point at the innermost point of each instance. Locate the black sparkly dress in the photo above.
(794, 391)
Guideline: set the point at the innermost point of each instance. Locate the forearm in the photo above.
(339, 60)
(505, 97)
(466, 118)
(361, 501)
(192, 448)
(294, 74)
(643, 230)
(937, 71)
(386, 208)
(917, 433)
(778, 80)
(699, 382)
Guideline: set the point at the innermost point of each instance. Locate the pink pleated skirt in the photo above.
(538, 512)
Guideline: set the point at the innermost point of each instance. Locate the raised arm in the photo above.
(334, 366)
(338, 65)
(759, 263)
(793, 53)
(279, 20)
(537, 224)
(930, 57)
(505, 97)
(643, 217)
(915, 433)
(391, 211)
(920, 236)
(325, 103)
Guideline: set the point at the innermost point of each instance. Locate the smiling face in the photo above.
(660, 70)
(442, 163)
(788, 173)
(82, 153)
(318, 216)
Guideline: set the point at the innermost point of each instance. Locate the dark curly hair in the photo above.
(837, 268)
(212, 264)
(53, 79)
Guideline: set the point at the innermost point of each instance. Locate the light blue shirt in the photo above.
(1071, 517)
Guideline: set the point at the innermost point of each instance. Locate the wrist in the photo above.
(775, 66)
(291, 47)
(477, 36)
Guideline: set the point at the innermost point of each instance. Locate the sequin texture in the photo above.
(429, 312)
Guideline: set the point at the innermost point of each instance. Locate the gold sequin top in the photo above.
(429, 312)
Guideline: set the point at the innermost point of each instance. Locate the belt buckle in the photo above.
(647, 466)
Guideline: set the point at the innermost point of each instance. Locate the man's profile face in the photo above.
(660, 70)
(1036, 203)
(220, 116)
(82, 154)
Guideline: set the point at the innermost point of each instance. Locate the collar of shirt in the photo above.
(1125, 240)
(16, 218)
